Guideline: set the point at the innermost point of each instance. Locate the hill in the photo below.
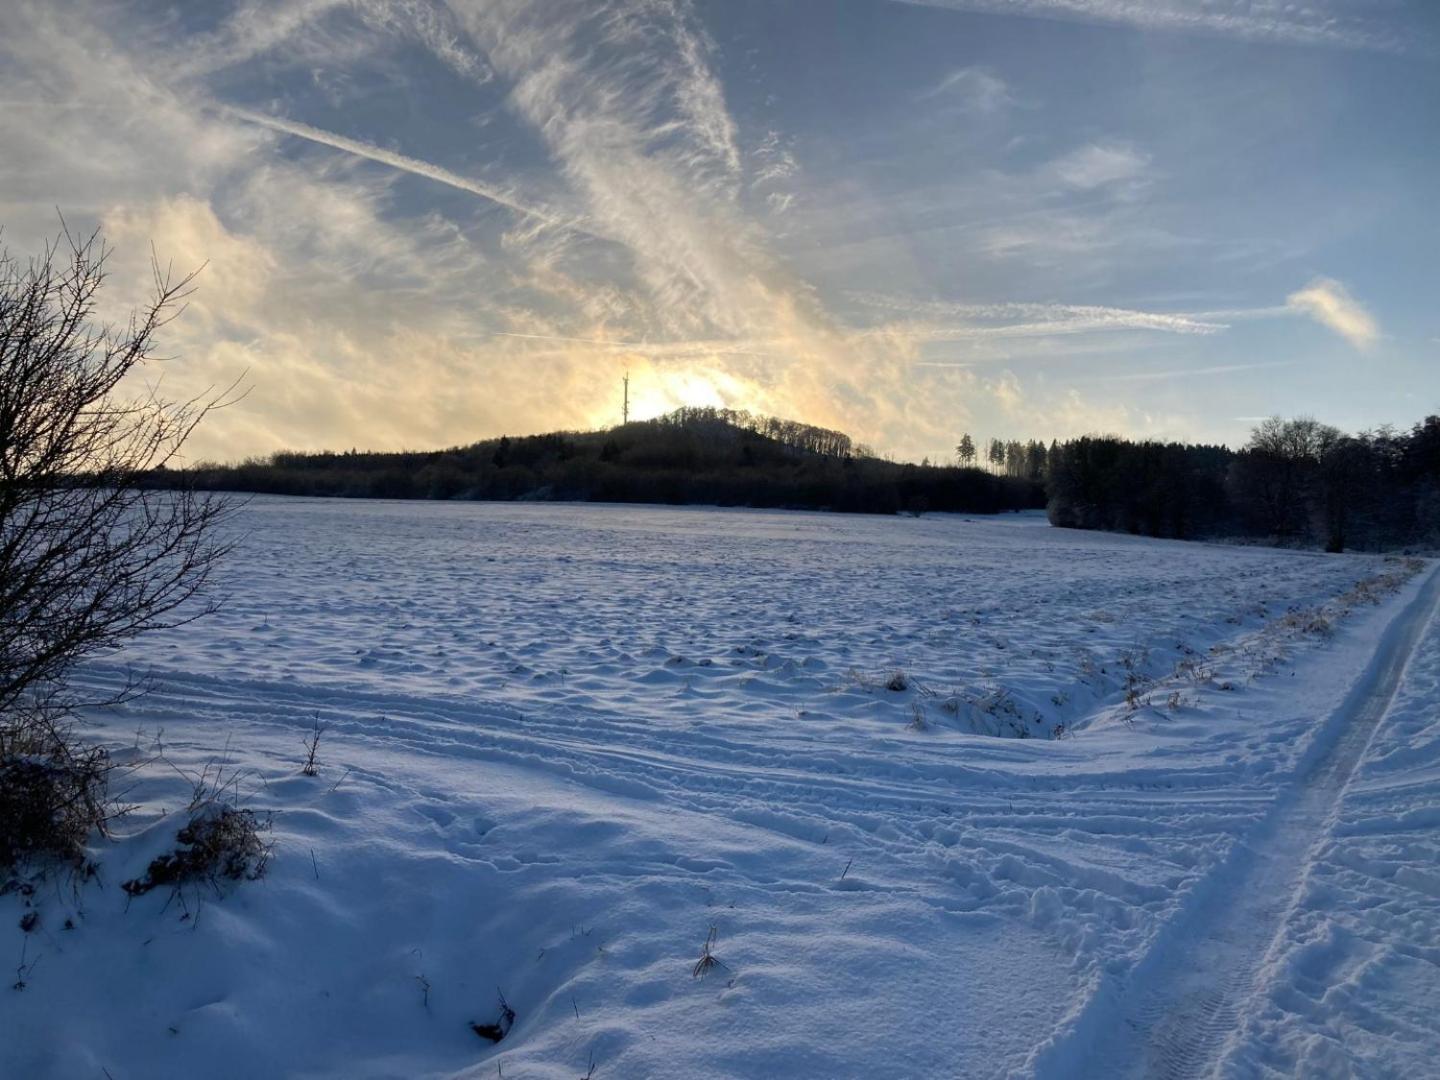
(704, 456)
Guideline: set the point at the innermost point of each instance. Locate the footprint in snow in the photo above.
(438, 814)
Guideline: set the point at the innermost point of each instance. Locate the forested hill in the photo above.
(706, 456)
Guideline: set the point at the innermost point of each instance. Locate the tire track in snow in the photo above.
(947, 826)
(1170, 1017)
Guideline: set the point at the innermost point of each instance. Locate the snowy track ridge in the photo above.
(1175, 1010)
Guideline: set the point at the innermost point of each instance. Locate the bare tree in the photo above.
(91, 551)
(1277, 471)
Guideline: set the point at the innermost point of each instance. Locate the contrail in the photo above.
(1300, 29)
(404, 163)
(654, 348)
(578, 340)
(1181, 373)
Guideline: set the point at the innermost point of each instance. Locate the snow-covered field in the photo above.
(958, 798)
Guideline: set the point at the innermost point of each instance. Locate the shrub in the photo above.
(708, 961)
(501, 1027)
(52, 796)
(220, 843)
(88, 556)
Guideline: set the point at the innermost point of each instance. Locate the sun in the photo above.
(656, 389)
(656, 392)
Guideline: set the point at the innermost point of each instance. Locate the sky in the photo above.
(423, 223)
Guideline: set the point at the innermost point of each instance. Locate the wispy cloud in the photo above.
(1329, 303)
(972, 88)
(309, 32)
(375, 312)
(939, 319)
(1318, 23)
(635, 120)
(661, 350)
(1324, 300)
(1100, 165)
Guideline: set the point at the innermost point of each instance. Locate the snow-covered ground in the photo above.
(958, 798)
(1351, 983)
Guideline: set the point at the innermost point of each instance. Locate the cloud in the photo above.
(371, 312)
(309, 33)
(1318, 23)
(642, 136)
(974, 89)
(777, 162)
(1012, 320)
(661, 350)
(1101, 165)
(780, 202)
(774, 173)
(1329, 303)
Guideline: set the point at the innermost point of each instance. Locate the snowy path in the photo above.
(1193, 989)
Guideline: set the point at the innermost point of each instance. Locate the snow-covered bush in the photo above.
(219, 844)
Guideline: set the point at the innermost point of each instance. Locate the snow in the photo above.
(891, 761)
(1351, 984)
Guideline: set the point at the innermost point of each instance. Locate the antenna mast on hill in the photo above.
(625, 408)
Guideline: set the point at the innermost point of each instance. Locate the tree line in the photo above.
(1296, 481)
(1024, 460)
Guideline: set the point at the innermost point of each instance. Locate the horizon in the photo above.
(436, 224)
(948, 461)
